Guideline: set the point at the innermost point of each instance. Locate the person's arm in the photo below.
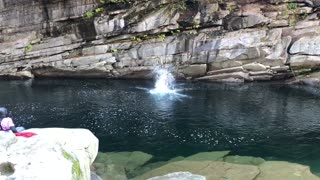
(13, 129)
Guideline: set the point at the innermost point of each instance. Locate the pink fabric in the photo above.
(6, 123)
(25, 134)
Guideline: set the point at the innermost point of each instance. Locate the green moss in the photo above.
(292, 20)
(6, 168)
(99, 10)
(292, 5)
(28, 48)
(136, 38)
(162, 37)
(89, 14)
(66, 155)
(76, 170)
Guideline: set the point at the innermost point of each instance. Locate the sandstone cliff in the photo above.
(216, 40)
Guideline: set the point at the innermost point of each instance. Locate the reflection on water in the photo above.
(272, 121)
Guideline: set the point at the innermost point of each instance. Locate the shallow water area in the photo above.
(268, 120)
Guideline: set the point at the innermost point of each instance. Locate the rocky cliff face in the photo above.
(216, 40)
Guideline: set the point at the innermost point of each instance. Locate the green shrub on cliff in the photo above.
(136, 38)
(100, 9)
(292, 5)
(28, 48)
(89, 14)
(162, 37)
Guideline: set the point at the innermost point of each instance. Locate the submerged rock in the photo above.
(215, 170)
(206, 165)
(278, 170)
(94, 176)
(208, 156)
(116, 165)
(154, 165)
(235, 167)
(210, 169)
(179, 176)
(244, 160)
(54, 153)
(110, 171)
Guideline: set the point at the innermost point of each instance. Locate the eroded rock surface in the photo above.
(206, 165)
(54, 153)
(260, 40)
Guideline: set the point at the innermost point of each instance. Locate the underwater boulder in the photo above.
(108, 171)
(244, 160)
(179, 175)
(150, 166)
(119, 164)
(208, 156)
(279, 170)
(211, 170)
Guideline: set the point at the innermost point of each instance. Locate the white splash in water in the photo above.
(164, 83)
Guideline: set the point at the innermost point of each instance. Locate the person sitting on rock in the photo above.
(6, 123)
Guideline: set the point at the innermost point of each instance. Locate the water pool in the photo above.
(268, 120)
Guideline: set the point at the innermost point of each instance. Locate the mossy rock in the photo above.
(281, 170)
(109, 171)
(179, 176)
(114, 172)
(129, 160)
(178, 158)
(212, 170)
(101, 158)
(208, 156)
(98, 168)
(147, 168)
(76, 169)
(154, 165)
(244, 160)
(6, 169)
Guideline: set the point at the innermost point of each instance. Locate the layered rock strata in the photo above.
(215, 40)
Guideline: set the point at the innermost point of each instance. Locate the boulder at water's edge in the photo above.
(54, 153)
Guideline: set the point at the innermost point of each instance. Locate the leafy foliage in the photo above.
(162, 37)
(99, 9)
(292, 5)
(89, 14)
(28, 48)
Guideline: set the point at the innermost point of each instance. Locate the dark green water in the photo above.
(272, 121)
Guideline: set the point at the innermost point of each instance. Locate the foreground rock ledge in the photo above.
(215, 165)
(215, 170)
(54, 153)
